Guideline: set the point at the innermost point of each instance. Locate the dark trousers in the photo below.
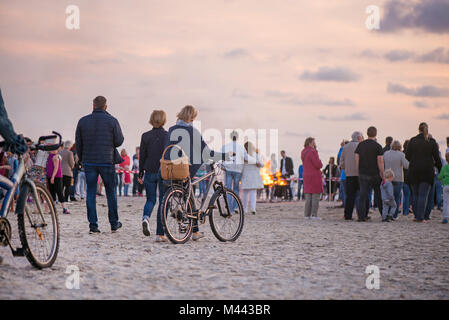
(107, 174)
(352, 188)
(75, 181)
(367, 182)
(421, 195)
(66, 184)
(137, 187)
(56, 189)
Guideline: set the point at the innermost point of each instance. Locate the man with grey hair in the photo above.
(67, 164)
(347, 163)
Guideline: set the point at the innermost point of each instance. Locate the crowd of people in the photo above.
(413, 177)
(408, 177)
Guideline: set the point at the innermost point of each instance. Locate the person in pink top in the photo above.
(54, 178)
(312, 178)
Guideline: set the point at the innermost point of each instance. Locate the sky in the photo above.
(305, 68)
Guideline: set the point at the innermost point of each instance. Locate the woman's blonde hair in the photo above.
(158, 118)
(187, 114)
(250, 148)
(396, 145)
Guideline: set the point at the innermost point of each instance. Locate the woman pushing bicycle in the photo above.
(189, 139)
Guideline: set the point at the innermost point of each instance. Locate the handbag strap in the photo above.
(171, 146)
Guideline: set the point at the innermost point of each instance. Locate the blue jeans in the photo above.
(397, 192)
(421, 194)
(438, 193)
(342, 193)
(430, 202)
(232, 183)
(203, 188)
(153, 181)
(406, 200)
(107, 174)
(125, 189)
(300, 184)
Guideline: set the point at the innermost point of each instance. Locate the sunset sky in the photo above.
(306, 68)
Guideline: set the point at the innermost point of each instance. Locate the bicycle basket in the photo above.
(175, 169)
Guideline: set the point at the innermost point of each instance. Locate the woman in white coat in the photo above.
(251, 178)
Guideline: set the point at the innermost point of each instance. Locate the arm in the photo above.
(79, 143)
(142, 159)
(436, 157)
(316, 162)
(71, 160)
(118, 135)
(357, 161)
(342, 161)
(405, 162)
(380, 164)
(55, 169)
(14, 142)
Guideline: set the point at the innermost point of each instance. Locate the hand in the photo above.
(52, 180)
(18, 147)
(140, 180)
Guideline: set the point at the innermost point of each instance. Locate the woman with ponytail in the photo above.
(423, 155)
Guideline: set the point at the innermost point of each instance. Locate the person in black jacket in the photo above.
(97, 137)
(287, 171)
(423, 155)
(151, 149)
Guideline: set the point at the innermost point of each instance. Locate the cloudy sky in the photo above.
(306, 68)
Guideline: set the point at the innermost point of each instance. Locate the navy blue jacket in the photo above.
(151, 148)
(97, 137)
(191, 141)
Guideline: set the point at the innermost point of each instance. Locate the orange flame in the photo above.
(267, 176)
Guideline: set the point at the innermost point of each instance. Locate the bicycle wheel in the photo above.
(177, 224)
(226, 225)
(39, 233)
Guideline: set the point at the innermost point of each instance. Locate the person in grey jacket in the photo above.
(394, 159)
(386, 190)
(347, 163)
(97, 137)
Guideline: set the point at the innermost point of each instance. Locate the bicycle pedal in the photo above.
(19, 252)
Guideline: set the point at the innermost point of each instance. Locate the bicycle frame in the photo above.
(11, 186)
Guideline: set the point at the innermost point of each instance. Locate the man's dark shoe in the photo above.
(94, 231)
(118, 226)
(361, 220)
(73, 200)
(1, 260)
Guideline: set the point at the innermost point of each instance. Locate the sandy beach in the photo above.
(279, 255)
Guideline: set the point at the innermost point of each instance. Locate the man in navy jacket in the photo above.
(97, 137)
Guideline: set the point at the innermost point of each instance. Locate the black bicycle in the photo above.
(179, 209)
(36, 214)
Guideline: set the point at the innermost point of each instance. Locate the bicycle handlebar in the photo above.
(49, 147)
(43, 147)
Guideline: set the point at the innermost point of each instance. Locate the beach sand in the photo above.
(280, 255)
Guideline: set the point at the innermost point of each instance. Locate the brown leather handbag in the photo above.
(175, 169)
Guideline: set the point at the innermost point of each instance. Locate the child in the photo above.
(389, 204)
(444, 178)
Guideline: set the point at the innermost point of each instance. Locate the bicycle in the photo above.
(36, 214)
(179, 209)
